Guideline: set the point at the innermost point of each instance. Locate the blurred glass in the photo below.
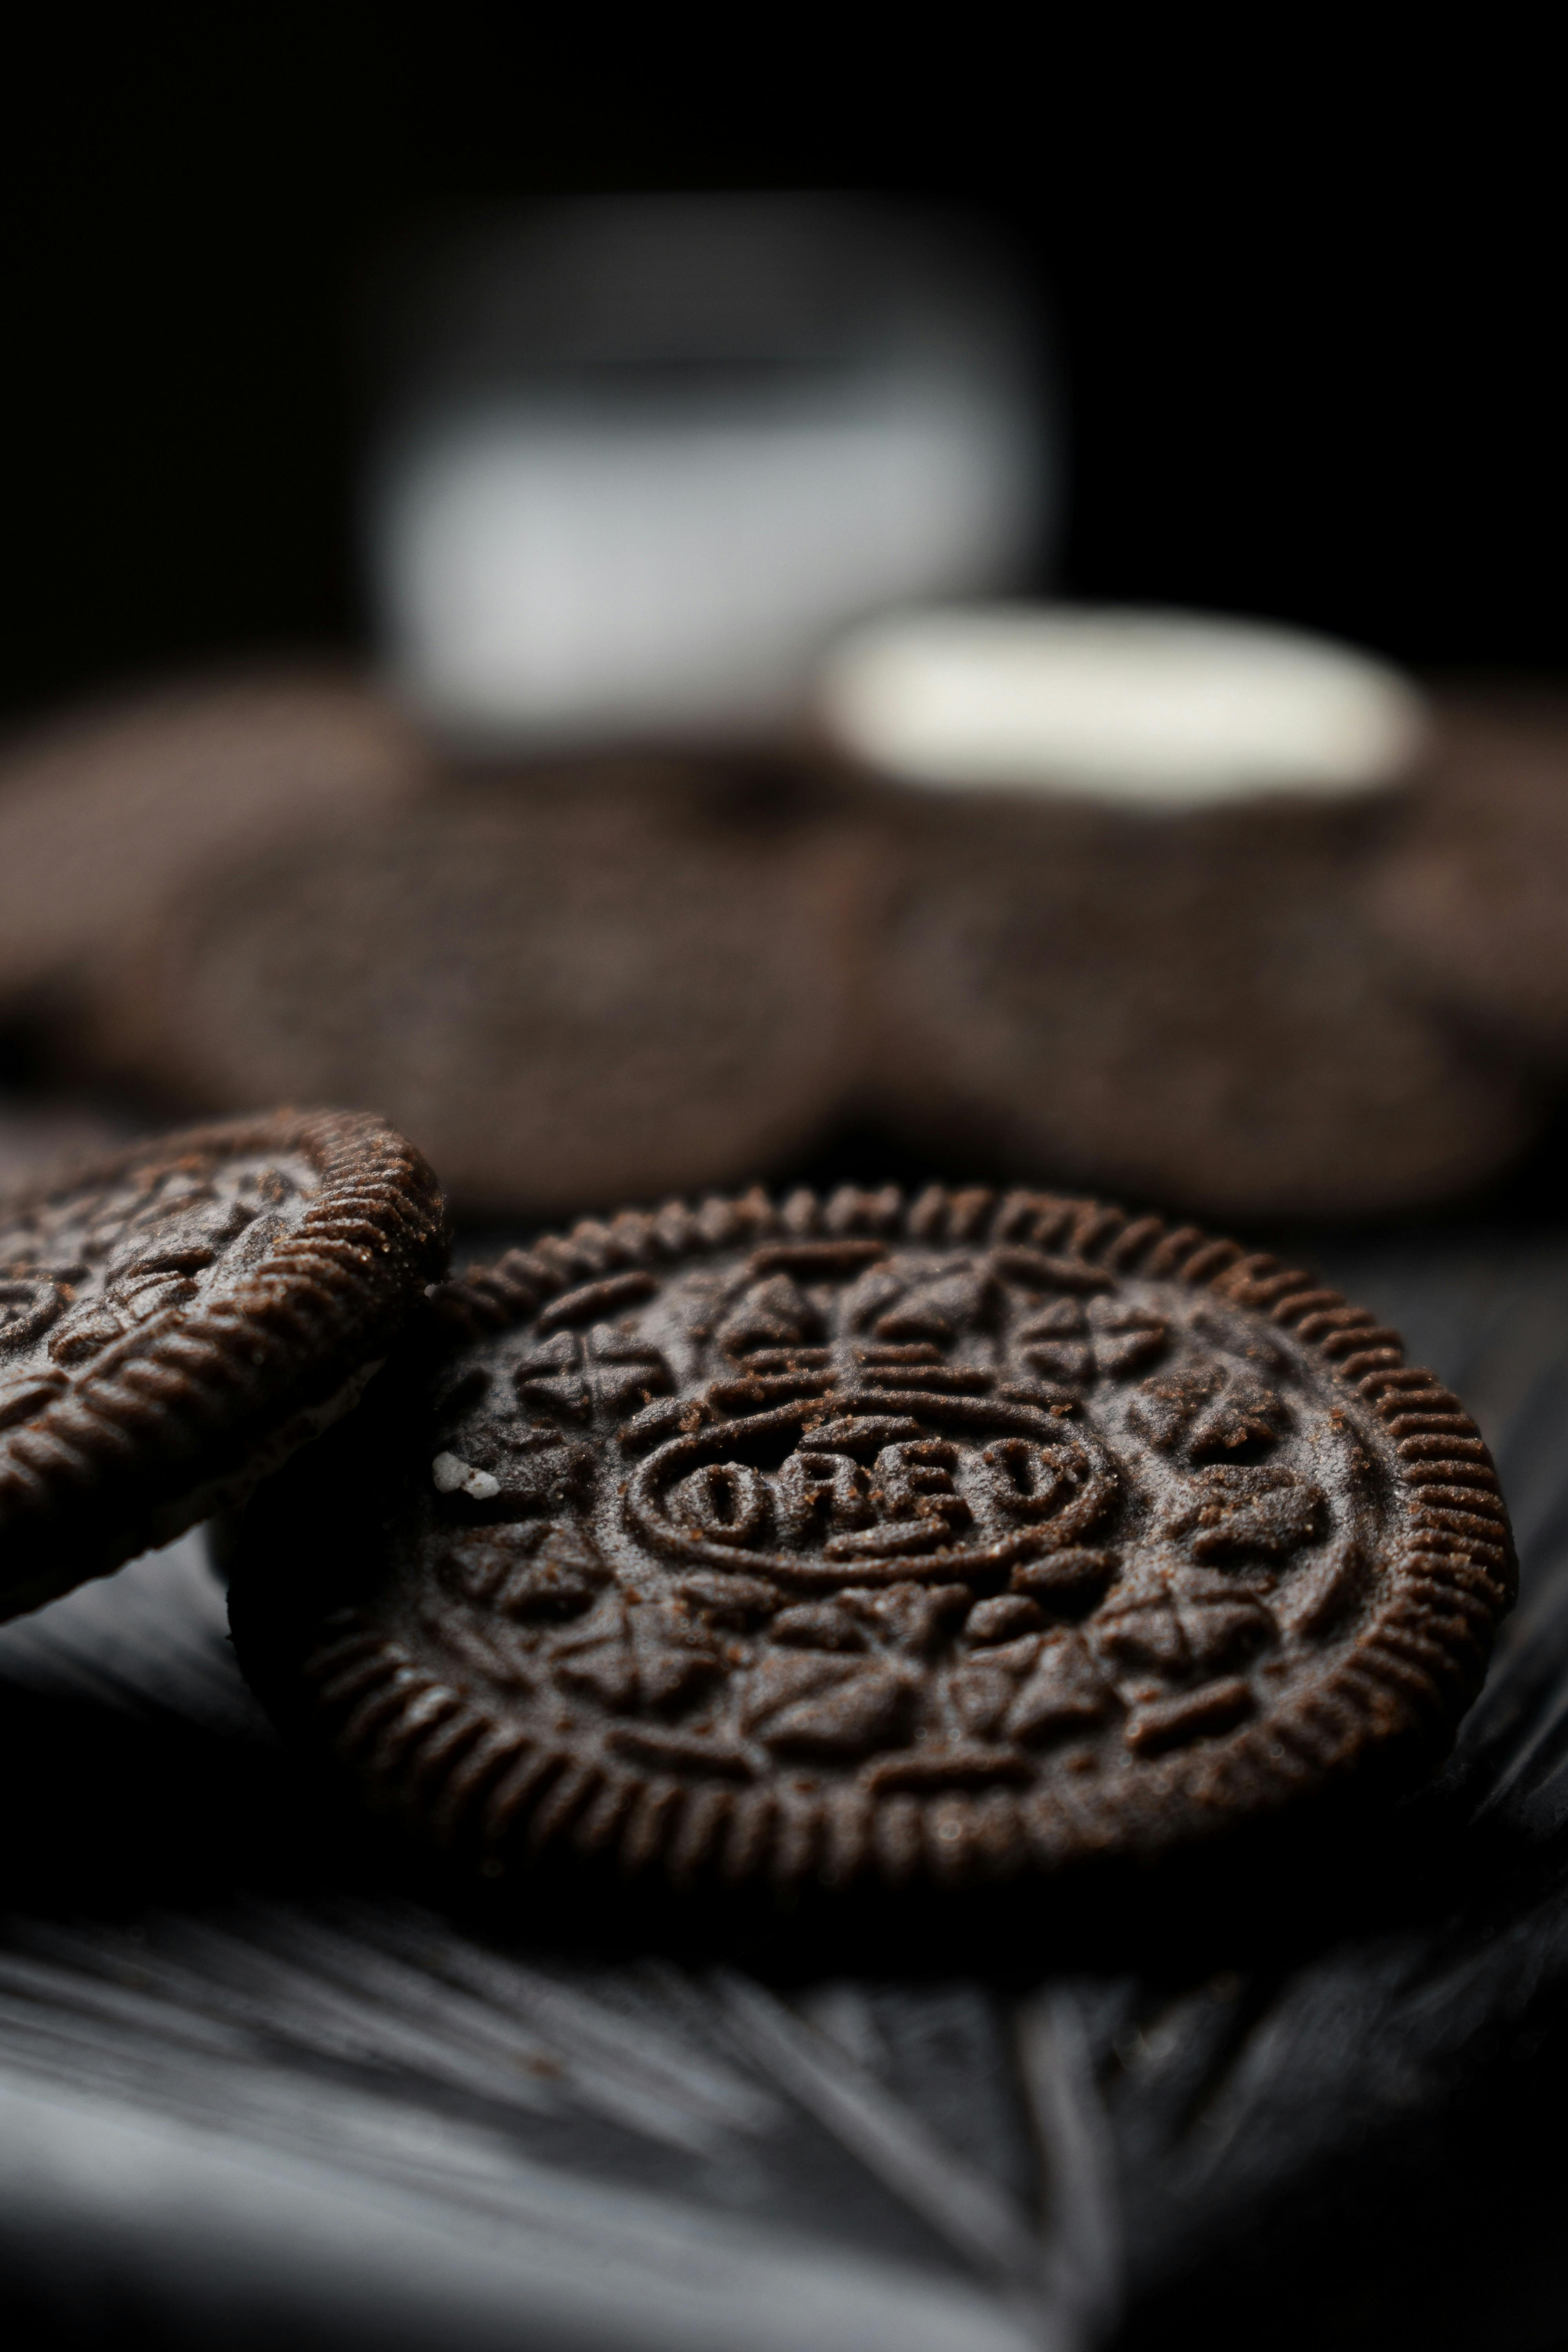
(641, 459)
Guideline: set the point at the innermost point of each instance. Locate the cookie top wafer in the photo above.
(569, 989)
(176, 1318)
(1194, 1011)
(106, 810)
(871, 1539)
(1474, 889)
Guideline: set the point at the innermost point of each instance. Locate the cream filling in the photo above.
(1146, 708)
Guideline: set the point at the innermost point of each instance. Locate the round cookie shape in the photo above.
(577, 988)
(875, 1540)
(177, 1318)
(1474, 889)
(1195, 1012)
(107, 809)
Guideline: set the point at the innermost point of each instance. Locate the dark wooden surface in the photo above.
(256, 2073)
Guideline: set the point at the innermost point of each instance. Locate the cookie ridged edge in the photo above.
(323, 1304)
(440, 1759)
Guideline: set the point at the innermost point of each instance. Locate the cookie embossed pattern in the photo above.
(176, 1318)
(861, 1539)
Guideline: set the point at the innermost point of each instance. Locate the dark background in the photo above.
(1306, 299)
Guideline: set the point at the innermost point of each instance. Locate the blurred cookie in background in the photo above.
(1125, 946)
(1474, 889)
(106, 809)
(1197, 1020)
(569, 988)
(38, 1134)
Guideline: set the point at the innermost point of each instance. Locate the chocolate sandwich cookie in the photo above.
(873, 1539)
(1474, 889)
(568, 991)
(1126, 849)
(104, 810)
(1193, 1009)
(176, 1318)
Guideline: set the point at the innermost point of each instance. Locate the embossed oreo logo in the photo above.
(913, 1512)
(875, 1485)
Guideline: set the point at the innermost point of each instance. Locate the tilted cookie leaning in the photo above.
(867, 1539)
(177, 1317)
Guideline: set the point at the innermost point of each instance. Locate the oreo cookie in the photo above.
(106, 809)
(571, 988)
(869, 1540)
(1192, 1010)
(1474, 889)
(176, 1318)
(1125, 852)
